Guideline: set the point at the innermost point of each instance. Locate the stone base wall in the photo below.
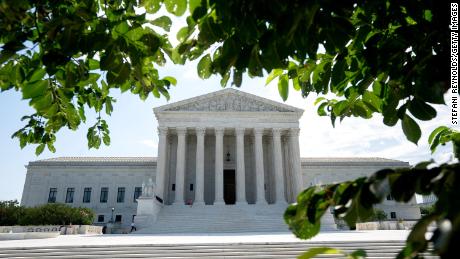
(386, 225)
(64, 230)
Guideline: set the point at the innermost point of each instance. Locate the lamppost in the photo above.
(111, 218)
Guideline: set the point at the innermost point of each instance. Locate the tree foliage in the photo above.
(10, 213)
(353, 201)
(66, 56)
(49, 214)
(385, 57)
(375, 56)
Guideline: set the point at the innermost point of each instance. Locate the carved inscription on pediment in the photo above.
(229, 103)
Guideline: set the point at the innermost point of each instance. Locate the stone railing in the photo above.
(64, 229)
(386, 225)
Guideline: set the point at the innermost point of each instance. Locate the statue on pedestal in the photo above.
(148, 190)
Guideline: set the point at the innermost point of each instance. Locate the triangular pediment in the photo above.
(230, 100)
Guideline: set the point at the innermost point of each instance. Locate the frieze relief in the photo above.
(229, 103)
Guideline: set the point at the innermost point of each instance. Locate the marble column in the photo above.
(259, 157)
(199, 189)
(278, 166)
(180, 165)
(295, 161)
(161, 162)
(240, 174)
(219, 167)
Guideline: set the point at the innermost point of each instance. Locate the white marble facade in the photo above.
(220, 149)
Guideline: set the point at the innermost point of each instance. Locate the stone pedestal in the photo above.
(147, 212)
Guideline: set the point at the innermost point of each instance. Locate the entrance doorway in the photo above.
(229, 187)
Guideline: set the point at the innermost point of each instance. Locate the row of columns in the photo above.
(219, 169)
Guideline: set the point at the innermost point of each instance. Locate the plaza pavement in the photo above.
(138, 239)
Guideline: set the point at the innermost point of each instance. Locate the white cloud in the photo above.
(149, 143)
(190, 73)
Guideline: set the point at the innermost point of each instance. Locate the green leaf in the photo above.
(119, 74)
(182, 34)
(204, 67)
(360, 109)
(319, 99)
(358, 254)
(43, 102)
(39, 149)
(411, 129)
(163, 22)
(274, 74)
(108, 106)
(321, 109)
(37, 75)
(313, 252)
(152, 6)
(421, 110)
(51, 147)
(372, 101)
(176, 7)
(237, 78)
(224, 80)
(436, 132)
(283, 87)
(390, 119)
(106, 139)
(338, 75)
(192, 4)
(296, 84)
(170, 79)
(34, 89)
(340, 108)
(93, 64)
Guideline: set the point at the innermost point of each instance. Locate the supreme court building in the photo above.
(227, 161)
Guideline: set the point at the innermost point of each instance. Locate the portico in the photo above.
(188, 185)
(228, 147)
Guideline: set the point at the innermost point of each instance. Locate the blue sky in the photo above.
(133, 129)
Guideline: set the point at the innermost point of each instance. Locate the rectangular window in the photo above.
(137, 193)
(69, 195)
(121, 194)
(393, 215)
(100, 218)
(118, 218)
(173, 187)
(52, 195)
(191, 187)
(87, 195)
(104, 194)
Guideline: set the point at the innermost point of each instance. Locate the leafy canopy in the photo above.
(383, 57)
(66, 56)
(49, 214)
(378, 56)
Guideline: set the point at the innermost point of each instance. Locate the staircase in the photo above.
(374, 249)
(218, 219)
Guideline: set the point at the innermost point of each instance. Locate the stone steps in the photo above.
(375, 249)
(218, 219)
